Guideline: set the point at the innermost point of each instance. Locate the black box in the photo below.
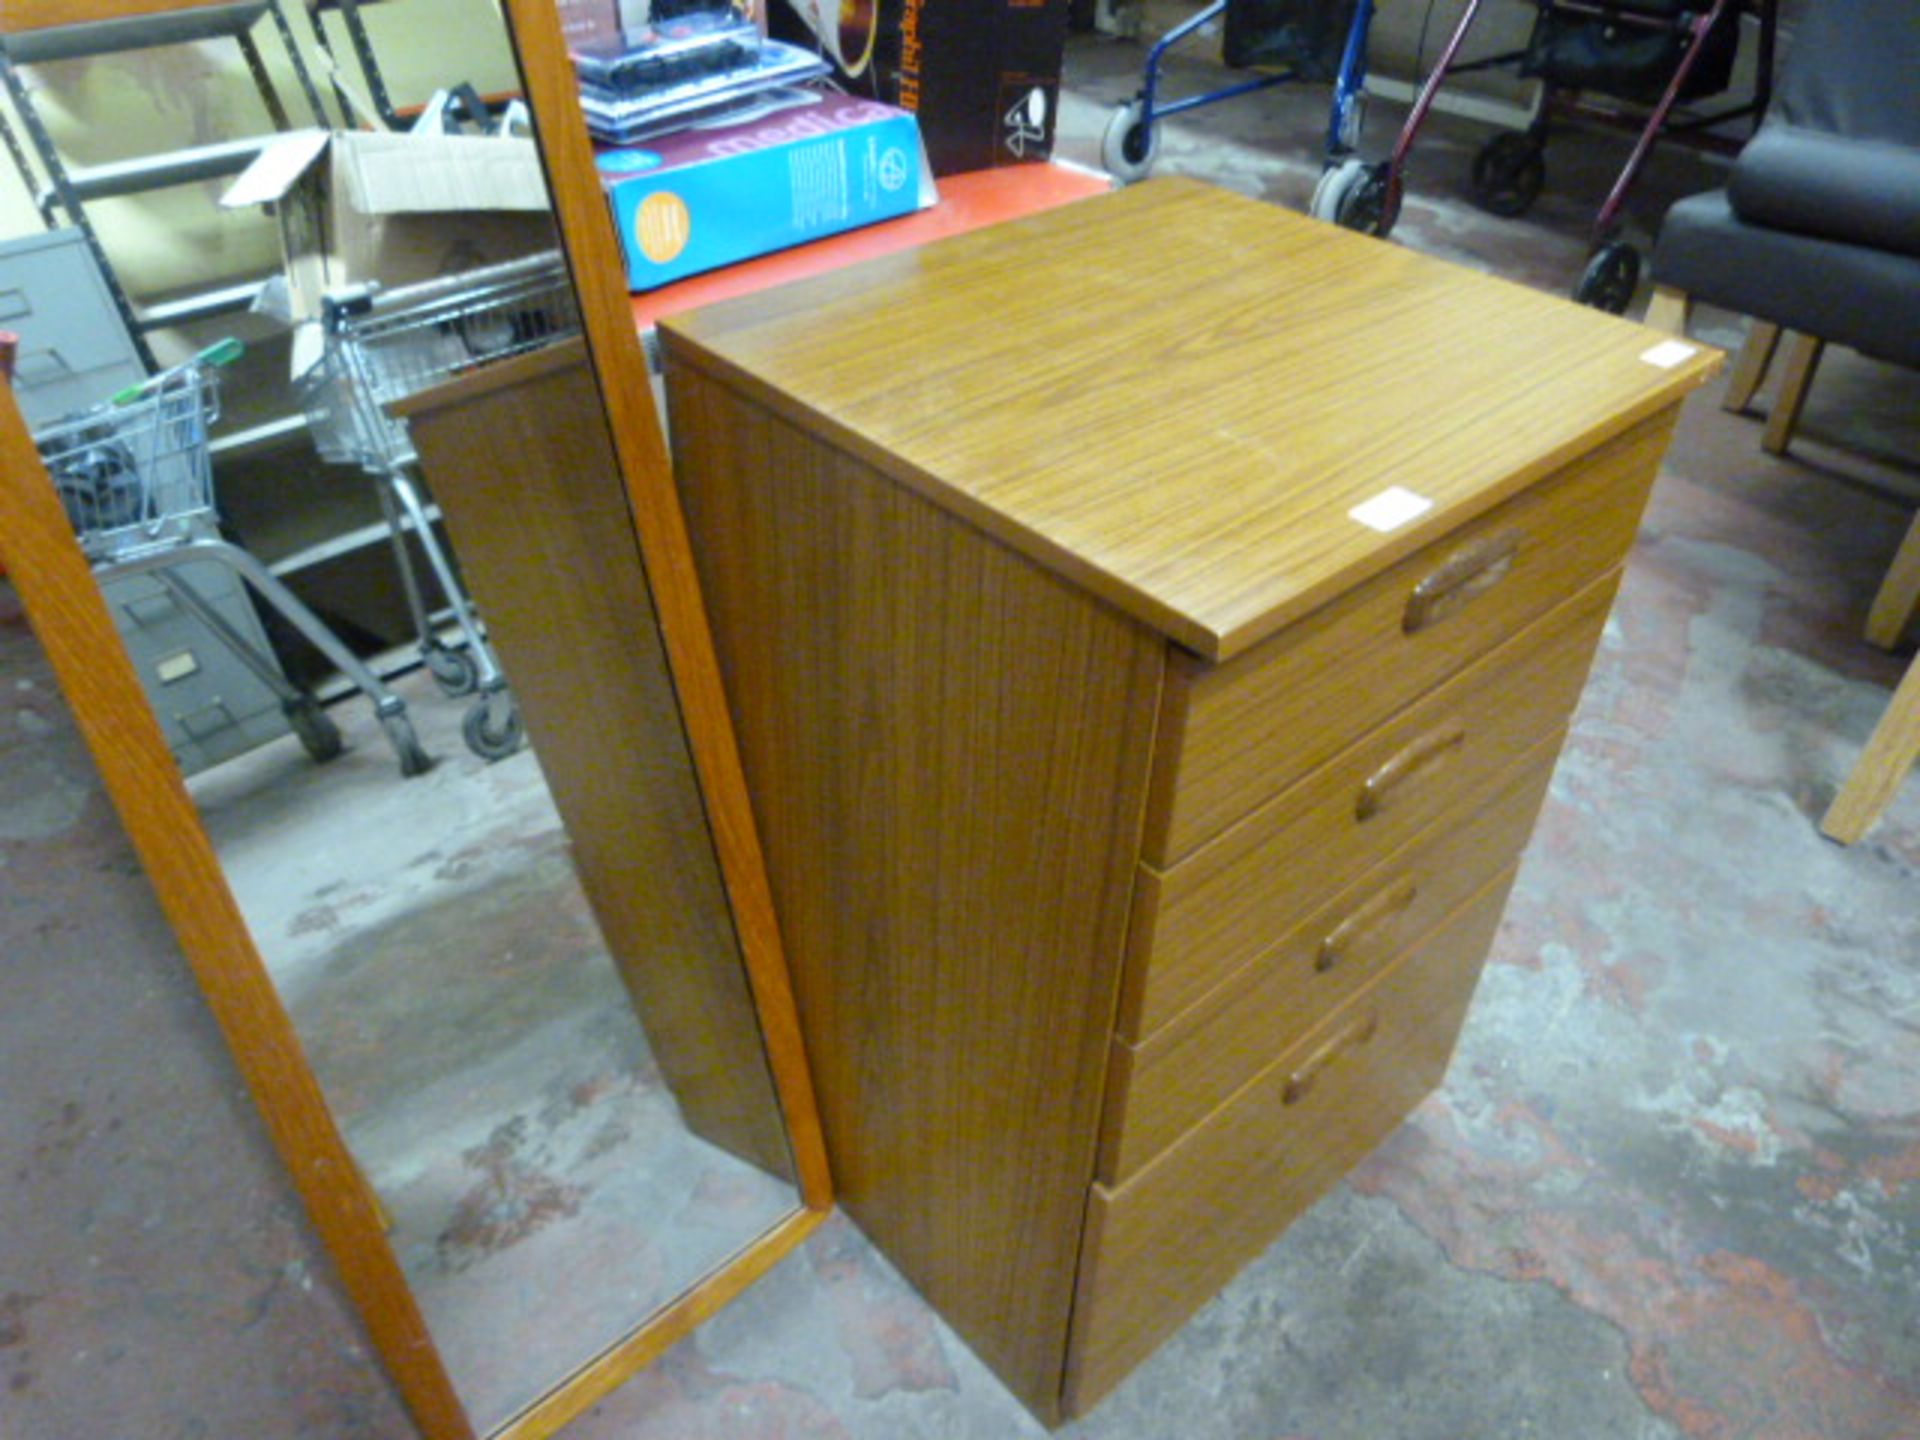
(983, 76)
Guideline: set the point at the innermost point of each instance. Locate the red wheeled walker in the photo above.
(1630, 64)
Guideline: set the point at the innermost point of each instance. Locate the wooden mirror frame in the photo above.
(70, 616)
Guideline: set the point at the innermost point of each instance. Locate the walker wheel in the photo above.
(1335, 181)
(1509, 173)
(1131, 143)
(413, 759)
(317, 733)
(1357, 196)
(1372, 205)
(454, 671)
(1610, 279)
(492, 727)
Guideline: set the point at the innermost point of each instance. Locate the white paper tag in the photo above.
(1669, 353)
(1390, 509)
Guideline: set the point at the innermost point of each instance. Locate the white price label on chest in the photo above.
(1669, 353)
(1390, 509)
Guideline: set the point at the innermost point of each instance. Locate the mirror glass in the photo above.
(514, 972)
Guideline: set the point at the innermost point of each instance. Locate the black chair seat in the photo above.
(1859, 296)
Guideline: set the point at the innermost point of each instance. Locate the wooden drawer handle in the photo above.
(1420, 755)
(1460, 579)
(1379, 912)
(1300, 1083)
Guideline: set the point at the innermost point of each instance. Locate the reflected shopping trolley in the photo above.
(383, 345)
(135, 476)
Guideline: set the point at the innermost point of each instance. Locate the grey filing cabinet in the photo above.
(75, 352)
(74, 347)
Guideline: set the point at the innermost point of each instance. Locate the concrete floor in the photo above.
(1671, 1187)
(474, 1039)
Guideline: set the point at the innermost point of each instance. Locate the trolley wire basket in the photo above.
(134, 476)
(383, 345)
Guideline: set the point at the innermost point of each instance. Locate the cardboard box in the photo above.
(700, 199)
(355, 206)
(982, 76)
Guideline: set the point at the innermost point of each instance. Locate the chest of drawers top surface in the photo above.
(1174, 395)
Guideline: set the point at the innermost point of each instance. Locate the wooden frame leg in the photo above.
(1750, 366)
(1669, 309)
(1803, 358)
(1882, 766)
(1899, 597)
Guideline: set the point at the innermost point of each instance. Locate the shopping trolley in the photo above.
(1289, 40)
(385, 344)
(1630, 64)
(135, 477)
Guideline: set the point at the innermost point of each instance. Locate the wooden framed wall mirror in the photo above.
(521, 1029)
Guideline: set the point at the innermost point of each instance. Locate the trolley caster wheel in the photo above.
(1509, 173)
(1610, 279)
(456, 672)
(1131, 144)
(1357, 196)
(492, 726)
(413, 759)
(317, 733)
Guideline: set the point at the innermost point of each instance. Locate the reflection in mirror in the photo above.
(563, 1105)
(515, 976)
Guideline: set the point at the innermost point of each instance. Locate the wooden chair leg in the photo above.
(1899, 597)
(1668, 309)
(1803, 358)
(1750, 366)
(1877, 774)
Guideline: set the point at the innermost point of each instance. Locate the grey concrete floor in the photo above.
(1670, 1188)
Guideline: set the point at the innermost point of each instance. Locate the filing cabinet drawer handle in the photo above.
(1377, 914)
(1460, 579)
(1301, 1082)
(1421, 755)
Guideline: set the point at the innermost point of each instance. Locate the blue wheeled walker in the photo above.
(1287, 40)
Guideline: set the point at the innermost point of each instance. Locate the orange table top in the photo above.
(967, 202)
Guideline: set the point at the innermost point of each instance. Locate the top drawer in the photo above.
(1233, 735)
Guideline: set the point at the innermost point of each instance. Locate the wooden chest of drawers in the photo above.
(1150, 629)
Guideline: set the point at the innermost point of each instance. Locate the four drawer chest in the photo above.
(1150, 628)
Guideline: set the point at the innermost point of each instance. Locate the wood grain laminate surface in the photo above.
(1233, 734)
(1182, 422)
(1159, 1246)
(1236, 895)
(20, 16)
(950, 862)
(1160, 1088)
(522, 465)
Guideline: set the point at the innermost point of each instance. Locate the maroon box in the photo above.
(983, 76)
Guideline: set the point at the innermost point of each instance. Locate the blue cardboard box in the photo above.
(700, 199)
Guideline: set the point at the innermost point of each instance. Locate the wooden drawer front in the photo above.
(1161, 1088)
(1159, 1246)
(1225, 903)
(1234, 734)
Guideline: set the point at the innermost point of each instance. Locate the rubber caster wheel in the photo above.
(413, 759)
(492, 728)
(1357, 196)
(1131, 144)
(317, 733)
(456, 672)
(1610, 279)
(1335, 181)
(1509, 173)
